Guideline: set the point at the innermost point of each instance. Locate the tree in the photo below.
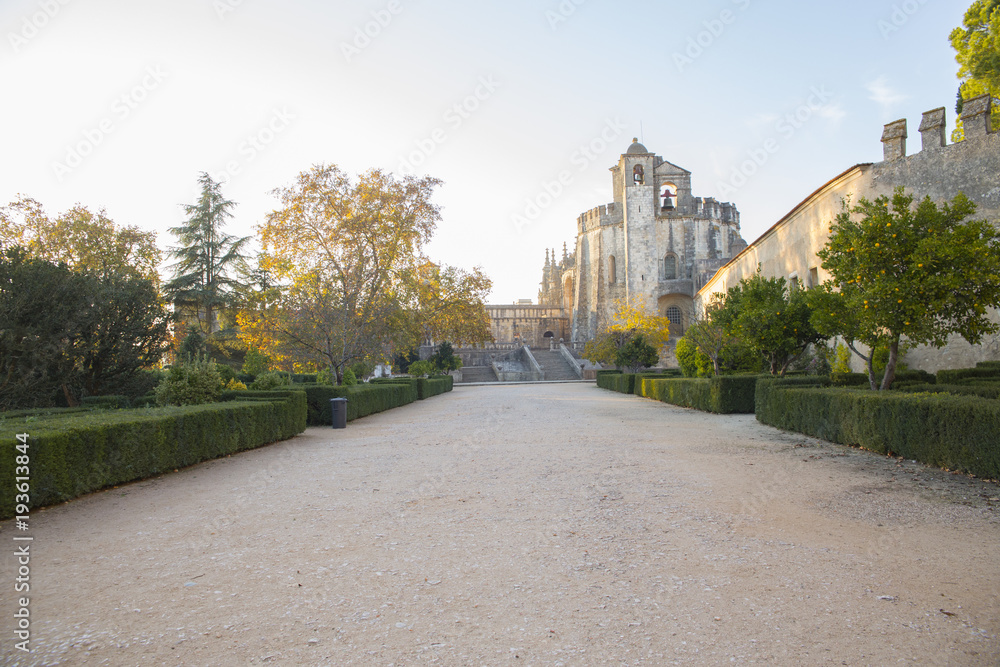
(636, 354)
(207, 257)
(444, 358)
(919, 272)
(977, 50)
(343, 256)
(771, 317)
(86, 242)
(692, 362)
(69, 333)
(448, 303)
(722, 347)
(625, 321)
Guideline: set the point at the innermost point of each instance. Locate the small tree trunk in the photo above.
(871, 370)
(890, 367)
(70, 399)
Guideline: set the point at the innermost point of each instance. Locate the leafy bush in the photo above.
(986, 391)
(194, 382)
(953, 376)
(692, 362)
(325, 376)
(235, 385)
(954, 432)
(256, 363)
(271, 380)
(106, 402)
(77, 453)
(421, 368)
(304, 378)
(350, 379)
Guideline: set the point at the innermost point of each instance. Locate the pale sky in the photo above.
(120, 104)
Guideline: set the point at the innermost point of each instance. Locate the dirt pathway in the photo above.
(523, 525)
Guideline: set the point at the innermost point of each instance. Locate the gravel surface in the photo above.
(523, 525)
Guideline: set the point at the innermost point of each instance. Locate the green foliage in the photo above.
(841, 359)
(193, 382)
(325, 376)
(421, 368)
(362, 399)
(255, 362)
(952, 376)
(401, 362)
(203, 281)
(444, 358)
(270, 381)
(692, 362)
(900, 271)
(74, 453)
(73, 334)
(978, 55)
(362, 369)
(636, 353)
(724, 394)
(349, 378)
(770, 317)
(953, 432)
(985, 391)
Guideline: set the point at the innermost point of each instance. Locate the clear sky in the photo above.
(120, 104)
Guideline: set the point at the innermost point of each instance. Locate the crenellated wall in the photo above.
(937, 170)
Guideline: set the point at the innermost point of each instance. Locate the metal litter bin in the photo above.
(339, 408)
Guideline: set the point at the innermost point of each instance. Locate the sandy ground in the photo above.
(523, 525)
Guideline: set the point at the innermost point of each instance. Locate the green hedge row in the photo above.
(725, 394)
(629, 383)
(362, 399)
(953, 376)
(986, 391)
(861, 379)
(73, 454)
(955, 432)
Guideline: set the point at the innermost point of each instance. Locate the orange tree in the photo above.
(921, 272)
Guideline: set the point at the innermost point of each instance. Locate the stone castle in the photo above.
(659, 246)
(655, 245)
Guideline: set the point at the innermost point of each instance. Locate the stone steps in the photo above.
(478, 374)
(554, 366)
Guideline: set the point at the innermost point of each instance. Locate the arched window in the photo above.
(676, 320)
(638, 175)
(670, 267)
(612, 270)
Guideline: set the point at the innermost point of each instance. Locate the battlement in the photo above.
(713, 209)
(975, 123)
(600, 215)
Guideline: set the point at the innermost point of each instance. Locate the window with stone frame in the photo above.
(612, 270)
(670, 266)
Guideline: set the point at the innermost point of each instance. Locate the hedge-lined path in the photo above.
(523, 525)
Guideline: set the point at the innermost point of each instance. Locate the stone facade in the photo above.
(938, 170)
(525, 324)
(655, 245)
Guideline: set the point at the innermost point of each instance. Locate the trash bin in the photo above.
(339, 408)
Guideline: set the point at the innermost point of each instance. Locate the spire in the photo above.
(565, 252)
(547, 262)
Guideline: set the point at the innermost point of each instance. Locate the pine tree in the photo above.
(207, 257)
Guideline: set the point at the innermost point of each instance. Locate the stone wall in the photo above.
(940, 171)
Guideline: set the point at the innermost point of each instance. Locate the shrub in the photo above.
(350, 378)
(421, 368)
(271, 380)
(106, 402)
(77, 453)
(724, 394)
(194, 382)
(235, 385)
(692, 362)
(325, 376)
(986, 391)
(950, 431)
(362, 399)
(953, 376)
(304, 378)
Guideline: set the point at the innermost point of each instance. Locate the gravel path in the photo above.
(523, 525)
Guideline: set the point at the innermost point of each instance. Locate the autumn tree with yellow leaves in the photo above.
(626, 320)
(348, 274)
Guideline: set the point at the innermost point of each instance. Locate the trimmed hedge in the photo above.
(861, 379)
(362, 399)
(986, 391)
(954, 375)
(955, 432)
(74, 454)
(724, 394)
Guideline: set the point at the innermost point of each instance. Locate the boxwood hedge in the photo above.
(951, 431)
(725, 394)
(367, 399)
(73, 454)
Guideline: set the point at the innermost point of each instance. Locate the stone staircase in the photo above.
(554, 366)
(478, 374)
